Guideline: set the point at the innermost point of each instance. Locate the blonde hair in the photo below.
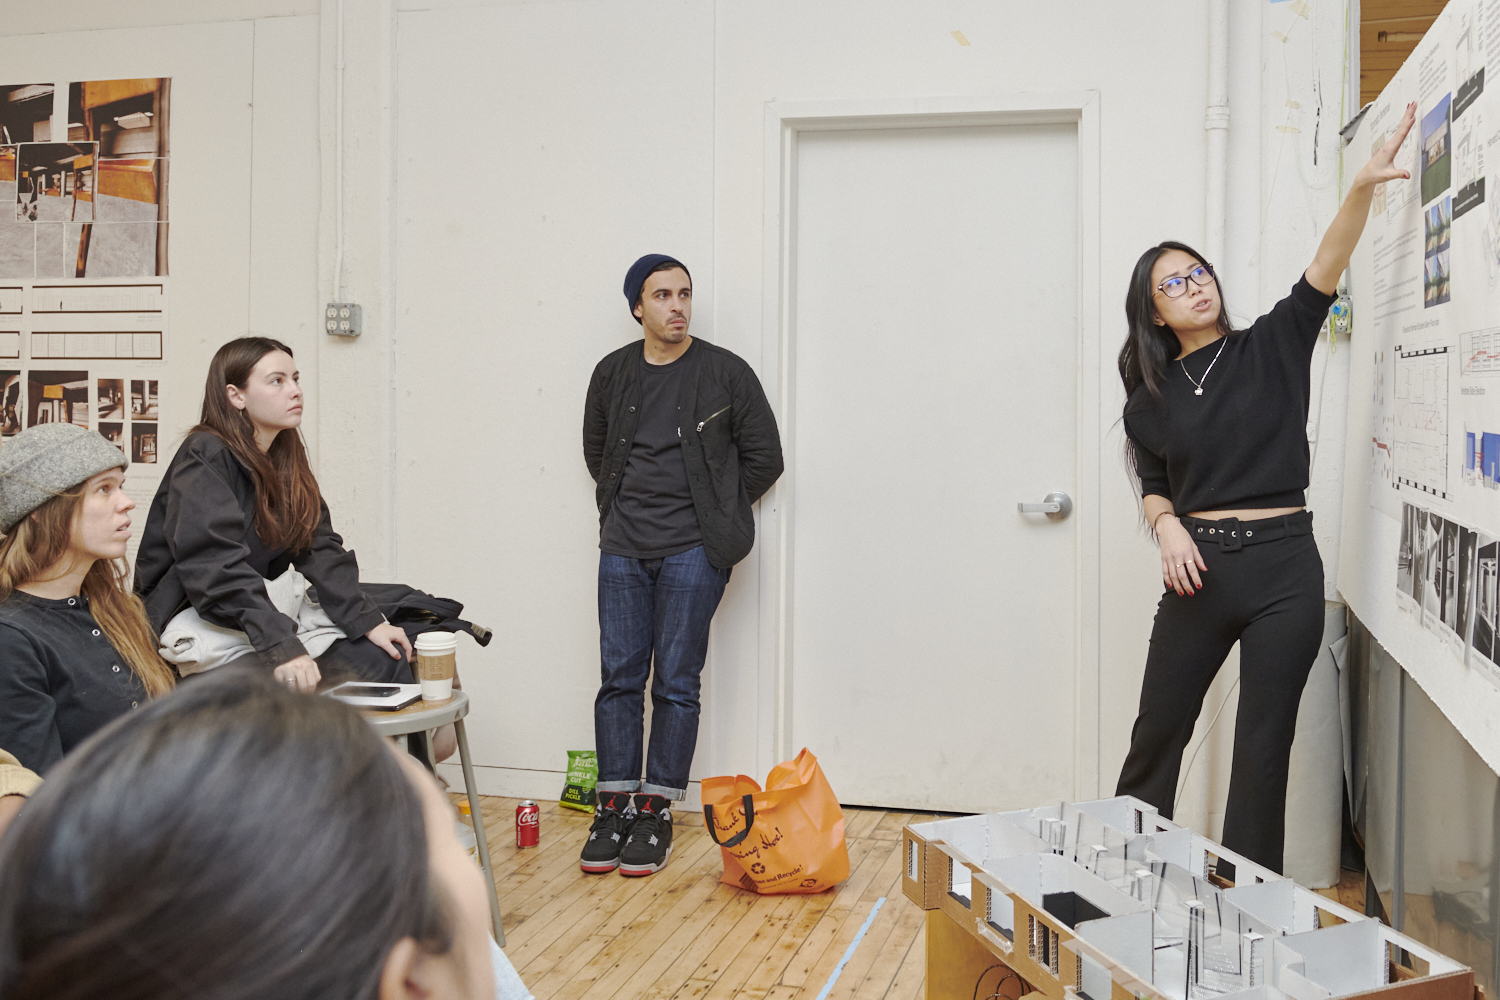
(40, 540)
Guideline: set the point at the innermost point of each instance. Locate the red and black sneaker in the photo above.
(614, 817)
(649, 843)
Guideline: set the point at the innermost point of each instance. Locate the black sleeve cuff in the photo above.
(359, 626)
(286, 649)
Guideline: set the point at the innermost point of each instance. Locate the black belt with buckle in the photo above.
(1231, 534)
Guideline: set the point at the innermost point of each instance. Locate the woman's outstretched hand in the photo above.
(1347, 226)
(388, 637)
(1181, 562)
(1382, 167)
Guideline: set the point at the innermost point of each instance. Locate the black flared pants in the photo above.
(1268, 597)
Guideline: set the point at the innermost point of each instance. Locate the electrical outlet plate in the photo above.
(341, 319)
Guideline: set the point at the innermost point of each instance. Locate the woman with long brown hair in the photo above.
(76, 648)
(237, 507)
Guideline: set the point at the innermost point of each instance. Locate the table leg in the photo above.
(478, 816)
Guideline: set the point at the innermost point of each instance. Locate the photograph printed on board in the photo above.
(1464, 624)
(1432, 572)
(1448, 579)
(1435, 279)
(1406, 553)
(91, 203)
(111, 399)
(55, 181)
(114, 433)
(1419, 560)
(1486, 579)
(1437, 224)
(1437, 150)
(143, 443)
(128, 121)
(57, 398)
(10, 403)
(143, 404)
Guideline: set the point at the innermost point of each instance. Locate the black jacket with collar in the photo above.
(200, 548)
(731, 447)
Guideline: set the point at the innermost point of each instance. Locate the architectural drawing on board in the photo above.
(1479, 352)
(1419, 404)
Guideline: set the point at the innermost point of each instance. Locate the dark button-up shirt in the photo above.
(60, 679)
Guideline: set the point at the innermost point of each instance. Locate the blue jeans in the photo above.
(646, 607)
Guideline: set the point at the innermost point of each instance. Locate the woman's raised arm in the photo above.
(1344, 232)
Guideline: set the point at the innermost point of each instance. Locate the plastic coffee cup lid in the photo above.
(437, 642)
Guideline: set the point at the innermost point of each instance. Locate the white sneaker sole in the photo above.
(636, 870)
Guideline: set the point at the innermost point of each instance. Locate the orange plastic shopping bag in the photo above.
(788, 837)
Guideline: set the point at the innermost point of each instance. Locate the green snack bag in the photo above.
(583, 775)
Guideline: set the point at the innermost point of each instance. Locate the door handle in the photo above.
(1056, 505)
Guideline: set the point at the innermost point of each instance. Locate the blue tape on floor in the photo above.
(849, 952)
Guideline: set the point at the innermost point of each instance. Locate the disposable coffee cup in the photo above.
(437, 655)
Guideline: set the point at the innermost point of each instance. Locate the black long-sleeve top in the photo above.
(60, 679)
(1243, 443)
(730, 445)
(200, 548)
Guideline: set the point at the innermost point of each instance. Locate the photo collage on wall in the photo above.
(83, 179)
(125, 411)
(1447, 575)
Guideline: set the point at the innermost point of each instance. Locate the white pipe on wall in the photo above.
(1216, 125)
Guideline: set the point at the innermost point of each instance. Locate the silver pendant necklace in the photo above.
(1198, 382)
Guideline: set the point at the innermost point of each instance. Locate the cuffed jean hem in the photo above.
(618, 786)
(675, 794)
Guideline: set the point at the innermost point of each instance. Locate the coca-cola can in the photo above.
(528, 824)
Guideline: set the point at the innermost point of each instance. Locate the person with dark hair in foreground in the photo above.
(680, 441)
(236, 839)
(1217, 425)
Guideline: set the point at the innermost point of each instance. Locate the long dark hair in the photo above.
(287, 502)
(1149, 348)
(232, 839)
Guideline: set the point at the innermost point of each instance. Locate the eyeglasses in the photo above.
(1175, 286)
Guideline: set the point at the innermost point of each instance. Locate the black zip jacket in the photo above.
(200, 548)
(731, 448)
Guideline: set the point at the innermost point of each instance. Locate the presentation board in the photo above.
(1421, 520)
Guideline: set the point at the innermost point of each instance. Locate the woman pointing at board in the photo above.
(1216, 420)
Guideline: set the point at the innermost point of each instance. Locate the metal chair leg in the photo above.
(478, 816)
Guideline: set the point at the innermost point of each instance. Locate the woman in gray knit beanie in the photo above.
(76, 648)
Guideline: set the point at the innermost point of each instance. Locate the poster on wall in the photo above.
(84, 194)
(1426, 290)
(84, 236)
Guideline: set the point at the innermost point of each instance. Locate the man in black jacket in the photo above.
(680, 441)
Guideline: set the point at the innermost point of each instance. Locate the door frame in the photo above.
(785, 121)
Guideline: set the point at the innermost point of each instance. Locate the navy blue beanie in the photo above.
(635, 278)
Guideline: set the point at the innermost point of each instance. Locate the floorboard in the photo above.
(682, 935)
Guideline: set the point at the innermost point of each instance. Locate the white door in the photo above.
(934, 384)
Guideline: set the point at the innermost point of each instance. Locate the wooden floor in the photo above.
(1350, 891)
(679, 933)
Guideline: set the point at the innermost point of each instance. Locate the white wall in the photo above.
(505, 163)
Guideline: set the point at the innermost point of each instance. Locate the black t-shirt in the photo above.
(1243, 443)
(653, 515)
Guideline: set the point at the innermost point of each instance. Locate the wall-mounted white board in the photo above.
(1421, 530)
